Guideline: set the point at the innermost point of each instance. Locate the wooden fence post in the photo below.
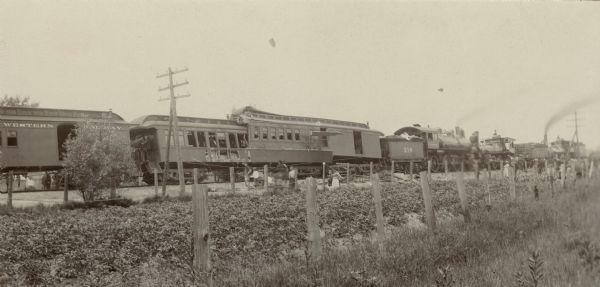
(427, 200)
(266, 177)
(592, 169)
(563, 175)
(312, 222)
(462, 194)
(232, 178)
(552, 181)
(429, 169)
(155, 182)
(10, 178)
(476, 168)
(370, 170)
(411, 167)
(445, 166)
(348, 173)
(66, 187)
(200, 227)
(245, 175)
(392, 172)
(376, 188)
(487, 190)
(511, 182)
(489, 168)
(324, 175)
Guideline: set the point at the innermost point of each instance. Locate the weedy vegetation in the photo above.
(261, 241)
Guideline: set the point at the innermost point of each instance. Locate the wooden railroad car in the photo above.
(348, 141)
(31, 139)
(212, 145)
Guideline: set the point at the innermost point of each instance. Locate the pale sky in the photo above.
(507, 66)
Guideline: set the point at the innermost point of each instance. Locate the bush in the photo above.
(122, 202)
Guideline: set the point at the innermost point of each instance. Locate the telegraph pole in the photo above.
(174, 126)
(575, 138)
(576, 133)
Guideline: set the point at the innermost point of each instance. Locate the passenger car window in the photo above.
(243, 140)
(233, 140)
(191, 138)
(221, 140)
(212, 139)
(11, 138)
(265, 133)
(201, 139)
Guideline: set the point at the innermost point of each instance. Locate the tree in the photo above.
(97, 159)
(17, 101)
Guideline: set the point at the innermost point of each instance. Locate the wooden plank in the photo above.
(462, 195)
(376, 189)
(200, 226)
(312, 221)
(427, 200)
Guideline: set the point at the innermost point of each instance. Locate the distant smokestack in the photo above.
(545, 139)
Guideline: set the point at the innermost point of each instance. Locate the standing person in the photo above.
(506, 167)
(336, 177)
(293, 177)
(255, 176)
(281, 175)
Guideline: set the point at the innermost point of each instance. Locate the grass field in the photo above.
(259, 241)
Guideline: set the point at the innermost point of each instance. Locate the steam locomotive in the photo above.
(445, 150)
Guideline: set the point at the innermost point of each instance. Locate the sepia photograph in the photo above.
(299, 143)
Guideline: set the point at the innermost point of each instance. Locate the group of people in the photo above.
(279, 176)
(284, 175)
(560, 168)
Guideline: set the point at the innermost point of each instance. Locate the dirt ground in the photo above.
(27, 199)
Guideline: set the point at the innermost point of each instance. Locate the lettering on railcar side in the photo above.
(52, 125)
(28, 125)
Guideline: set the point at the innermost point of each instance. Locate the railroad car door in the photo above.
(358, 146)
(63, 132)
